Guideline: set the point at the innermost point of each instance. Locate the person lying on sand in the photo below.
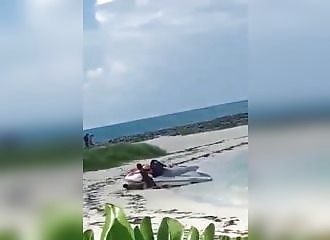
(140, 186)
(148, 181)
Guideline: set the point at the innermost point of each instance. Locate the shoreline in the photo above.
(105, 186)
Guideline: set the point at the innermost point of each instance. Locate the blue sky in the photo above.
(145, 58)
(289, 53)
(41, 62)
(139, 58)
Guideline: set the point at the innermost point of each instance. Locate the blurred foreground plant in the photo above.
(117, 227)
(52, 223)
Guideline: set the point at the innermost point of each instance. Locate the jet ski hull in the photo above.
(177, 171)
(134, 175)
(176, 176)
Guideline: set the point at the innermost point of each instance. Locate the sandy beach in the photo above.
(105, 186)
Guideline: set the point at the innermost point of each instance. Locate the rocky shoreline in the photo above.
(212, 125)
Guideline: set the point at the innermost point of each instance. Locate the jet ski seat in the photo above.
(157, 168)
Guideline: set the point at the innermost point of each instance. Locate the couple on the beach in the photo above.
(156, 169)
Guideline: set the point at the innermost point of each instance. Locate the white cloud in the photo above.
(117, 67)
(141, 3)
(44, 4)
(95, 73)
(102, 16)
(137, 21)
(151, 50)
(101, 2)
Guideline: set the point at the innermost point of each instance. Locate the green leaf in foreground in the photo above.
(108, 221)
(146, 229)
(175, 229)
(121, 217)
(224, 238)
(113, 213)
(88, 235)
(119, 232)
(137, 234)
(193, 234)
(64, 227)
(8, 235)
(209, 232)
(163, 232)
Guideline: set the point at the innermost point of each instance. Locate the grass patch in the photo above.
(115, 155)
(38, 156)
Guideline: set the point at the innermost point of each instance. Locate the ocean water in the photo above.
(103, 134)
(229, 187)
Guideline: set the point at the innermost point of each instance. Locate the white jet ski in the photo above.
(174, 176)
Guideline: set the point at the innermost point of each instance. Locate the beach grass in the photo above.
(114, 155)
(39, 156)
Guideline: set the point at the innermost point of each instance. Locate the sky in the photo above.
(119, 60)
(145, 58)
(289, 53)
(41, 60)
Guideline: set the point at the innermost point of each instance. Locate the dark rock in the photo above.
(216, 124)
(206, 155)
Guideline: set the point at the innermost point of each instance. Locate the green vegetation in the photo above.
(35, 156)
(68, 226)
(52, 224)
(109, 156)
(116, 227)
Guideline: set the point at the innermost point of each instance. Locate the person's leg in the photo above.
(153, 183)
(150, 182)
